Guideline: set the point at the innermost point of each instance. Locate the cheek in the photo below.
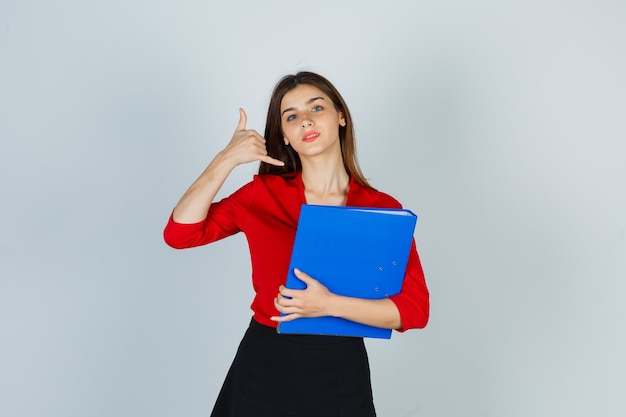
(286, 135)
(288, 131)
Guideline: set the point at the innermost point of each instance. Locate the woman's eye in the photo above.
(317, 108)
(291, 117)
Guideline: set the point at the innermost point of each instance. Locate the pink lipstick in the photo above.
(310, 136)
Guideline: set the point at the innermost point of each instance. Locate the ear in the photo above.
(342, 120)
(286, 140)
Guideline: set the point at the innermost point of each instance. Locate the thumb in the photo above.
(243, 119)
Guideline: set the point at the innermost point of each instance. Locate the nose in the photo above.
(306, 122)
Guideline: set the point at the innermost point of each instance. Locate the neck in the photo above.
(325, 181)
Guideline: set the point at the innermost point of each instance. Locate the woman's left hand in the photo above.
(313, 301)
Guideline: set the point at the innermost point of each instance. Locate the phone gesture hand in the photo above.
(247, 145)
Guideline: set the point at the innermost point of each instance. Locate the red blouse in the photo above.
(267, 211)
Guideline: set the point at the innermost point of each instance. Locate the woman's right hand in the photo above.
(247, 145)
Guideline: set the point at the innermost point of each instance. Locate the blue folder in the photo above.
(354, 251)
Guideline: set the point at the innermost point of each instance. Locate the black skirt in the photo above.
(276, 375)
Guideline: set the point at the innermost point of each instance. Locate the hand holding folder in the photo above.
(353, 251)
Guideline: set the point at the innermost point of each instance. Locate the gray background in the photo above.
(501, 123)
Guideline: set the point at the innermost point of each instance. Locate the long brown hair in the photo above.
(275, 145)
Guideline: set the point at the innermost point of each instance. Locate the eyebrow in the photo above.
(309, 101)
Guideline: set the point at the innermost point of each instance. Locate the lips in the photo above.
(310, 136)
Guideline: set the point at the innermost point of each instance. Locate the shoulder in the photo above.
(272, 186)
(371, 197)
(275, 183)
(273, 180)
(267, 181)
(385, 200)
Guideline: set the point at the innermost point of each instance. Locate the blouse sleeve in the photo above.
(413, 300)
(224, 218)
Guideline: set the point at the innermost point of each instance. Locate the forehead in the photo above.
(299, 96)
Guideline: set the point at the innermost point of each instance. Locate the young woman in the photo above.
(307, 155)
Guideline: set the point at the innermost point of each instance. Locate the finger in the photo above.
(303, 276)
(287, 313)
(282, 304)
(287, 317)
(288, 293)
(282, 307)
(260, 140)
(243, 119)
(287, 301)
(272, 161)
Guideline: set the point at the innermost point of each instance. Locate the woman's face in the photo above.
(310, 122)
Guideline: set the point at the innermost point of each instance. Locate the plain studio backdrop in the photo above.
(501, 123)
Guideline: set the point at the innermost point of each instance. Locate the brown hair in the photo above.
(275, 145)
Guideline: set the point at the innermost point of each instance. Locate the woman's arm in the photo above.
(245, 146)
(317, 301)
